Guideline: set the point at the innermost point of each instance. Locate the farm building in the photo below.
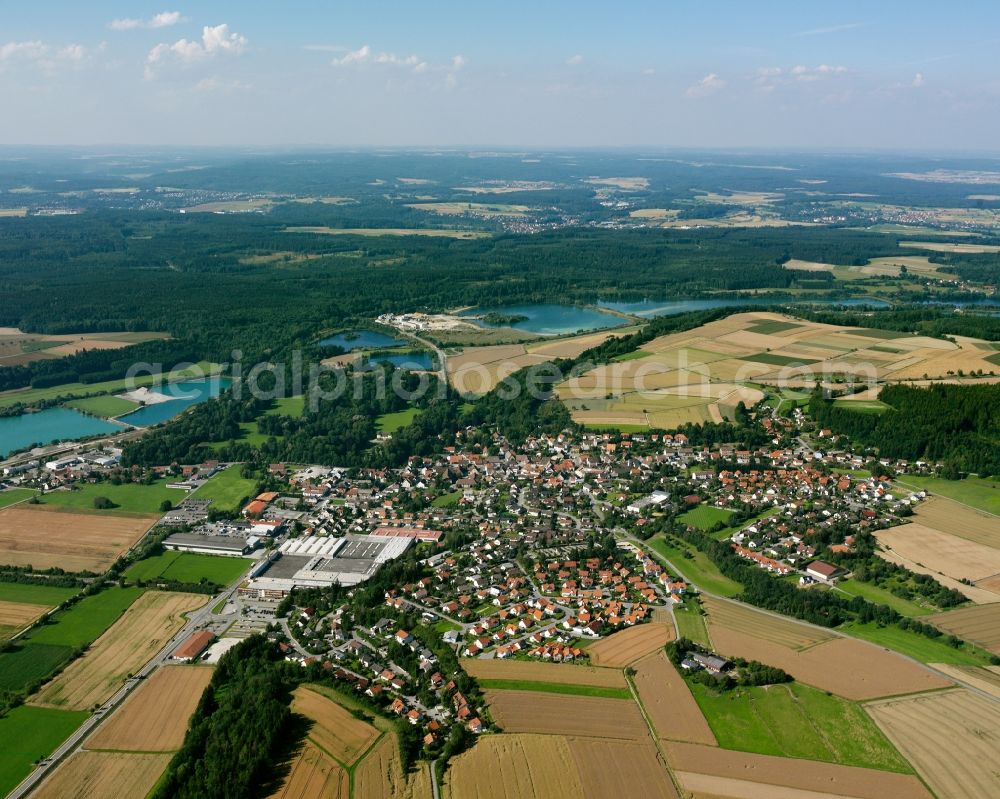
(195, 644)
(418, 533)
(823, 571)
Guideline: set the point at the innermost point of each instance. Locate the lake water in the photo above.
(362, 340)
(48, 427)
(409, 360)
(186, 394)
(550, 320)
(666, 307)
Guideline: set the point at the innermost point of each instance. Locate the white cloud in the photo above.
(710, 84)
(359, 56)
(162, 20)
(918, 80)
(458, 61)
(807, 74)
(28, 51)
(574, 61)
(42, 55)
(215, 40)
(365, 55)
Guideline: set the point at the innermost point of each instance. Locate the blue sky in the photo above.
(898, 75)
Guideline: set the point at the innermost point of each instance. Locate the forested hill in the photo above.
(959, 425)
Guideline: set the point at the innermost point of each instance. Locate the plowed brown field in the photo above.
(668, 702)
(694, 765)
(54, 537)
(621, 648)
(533, 671)
(131, 641)
(558, 714)
(155, 717)
(951, 738)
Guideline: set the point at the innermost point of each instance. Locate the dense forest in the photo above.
(956, 424)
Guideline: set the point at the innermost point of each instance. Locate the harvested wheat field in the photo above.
(380, 775)
(536, 671)
(954, 557)
(616, 768)
(139, 634)
(564, 714)
(961, 520)
(985, 678)
(33, 535)
(313, 774)
(668, 702)
(104, 775)
(844, 666)
(155, 717)
(513, 767)
(623, 647)
(979, 624)
(782, 631)
(951, 738)
(334, 730)
(18, 615)
(709, 771)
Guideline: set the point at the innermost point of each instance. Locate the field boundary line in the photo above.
(661, 756)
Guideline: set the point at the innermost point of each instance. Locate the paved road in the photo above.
(198, 619)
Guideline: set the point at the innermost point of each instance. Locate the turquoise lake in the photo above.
(409, 360)
(550, 320)
(186, 394)
(362, 340)
(666, 307)
(48, 427)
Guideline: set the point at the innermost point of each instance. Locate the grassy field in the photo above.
(881, 596)
(557, 688)
(447, 500)
(30, 734)
(705, 517)
(87, 619)
(188, 567)
(287, 406)
(32, 395)
(617, 428)
(227, 489)
(104, 406)
(794, 720)
(973, 491)
(127, 497)
(35, 594)
(391, 422)
(14, 495)
(861, 406)
(690, 623)
(919, 647)
(696, 568)
(27, 663)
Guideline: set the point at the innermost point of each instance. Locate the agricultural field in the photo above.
(15, 495)
(49, 595)
(626, 646)
(816, 657)
(30, 734)
(977, 493)
(705, 517)
(380, 774)
(882, 596)
(314, 773)
(668, 702)
(131, 641)
(188, 567)
(794, 720)
(606, 767)
(15, 616)
(232, 207)
(128, 498)
(537, 671)
(391, 422)
(708, 771)
(555, 714)
(484, 210)
(17, 347)
(337, 732)
(914, 645)
(931, 548)
(449, 233)
(87, 619)
(700, 375)
(929, 730)
(155, 717)
(942, 246)
(985, 678)
(227, 489)
(47, 537)
(104, 775)
(691, 623)
(979, 624)
(957, 519)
